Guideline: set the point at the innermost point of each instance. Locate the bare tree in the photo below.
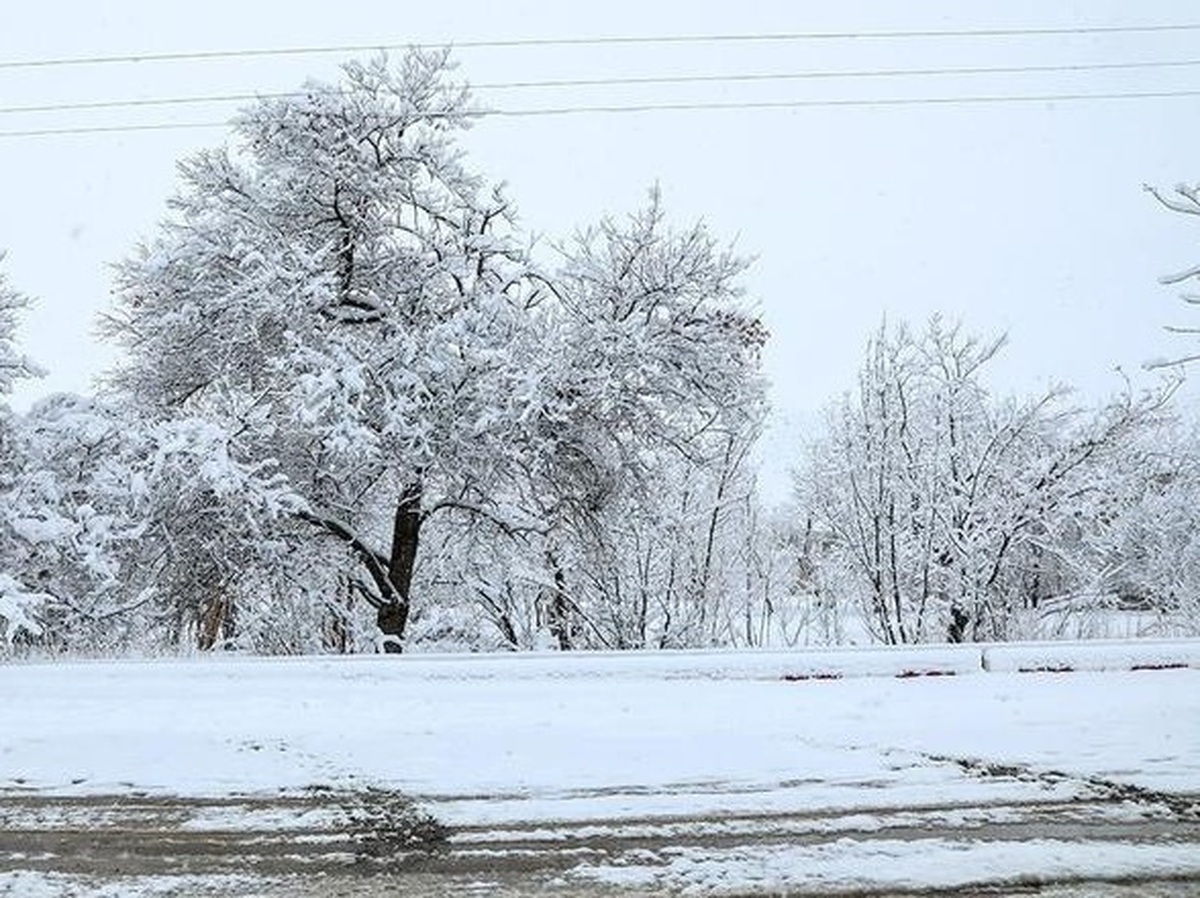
(943, 503)
(1185, 199)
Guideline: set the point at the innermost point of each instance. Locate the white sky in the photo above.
(1021, 217)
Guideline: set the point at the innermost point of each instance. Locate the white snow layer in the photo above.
(845, 867)
(623, 740)
(556, 725)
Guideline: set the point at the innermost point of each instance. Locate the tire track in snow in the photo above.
(277, 838)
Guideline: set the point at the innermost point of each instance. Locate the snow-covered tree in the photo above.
(653, 401)
(13, 364)
(68, 509)
(18, 598)
(219, 542)
(1153, 547)
(125, 533)
(351, 309)
(949, 512)
(344, 300)
(1184, 199)
(631, 465)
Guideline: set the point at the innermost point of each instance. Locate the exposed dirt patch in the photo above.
(1185, 807)
(375, 843)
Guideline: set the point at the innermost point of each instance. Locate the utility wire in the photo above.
(636, 81)
(850, 73)
(678, 107)
(114, 129)
(801, 104)
(762, 37)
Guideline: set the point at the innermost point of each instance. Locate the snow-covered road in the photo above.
(698, 772)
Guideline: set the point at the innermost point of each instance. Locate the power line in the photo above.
(761, 37)
(678, 107)
(160, 101)
(801, 104)
(113, 129)
(637, 81)
(852, 73)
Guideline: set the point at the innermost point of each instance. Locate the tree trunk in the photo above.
(339, 611)
(392, 618)
(558, 613)
(211, 622)
(959, 620)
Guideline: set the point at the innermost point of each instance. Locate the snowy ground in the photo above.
(698, 773)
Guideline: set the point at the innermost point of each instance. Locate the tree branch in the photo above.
(375, 562)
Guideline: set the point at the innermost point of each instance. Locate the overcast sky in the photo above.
(1025, 217)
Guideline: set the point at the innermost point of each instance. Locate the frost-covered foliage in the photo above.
(18, 608)
(1153, 554)
(351, 314)
(214, 536)
(948, 514)
(341, 294)
(116, 535)
(652, 402)
(19, 598)
(13, 365)
(73, 510)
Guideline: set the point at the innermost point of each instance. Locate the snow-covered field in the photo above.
(693, 772)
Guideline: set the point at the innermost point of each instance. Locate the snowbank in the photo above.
(803, 664)
(1063, 657)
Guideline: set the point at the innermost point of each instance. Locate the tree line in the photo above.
(355, 410)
